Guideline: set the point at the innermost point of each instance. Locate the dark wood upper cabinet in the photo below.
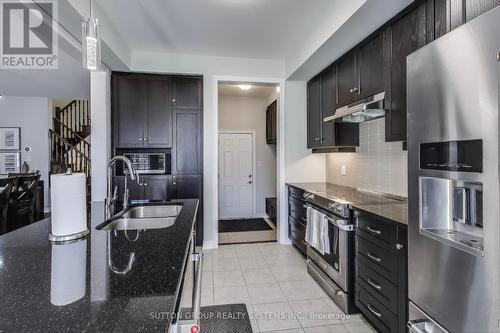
(347, 84)
(271, 123)
(130, 107)
(187, 93)
(159, 115)
(328, 105)
(314, 113)
(408, 34)
(370, 67)
(474, 8)
(187, 155)
(142, 109)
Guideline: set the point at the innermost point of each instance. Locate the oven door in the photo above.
(336, 263)
(189, 300)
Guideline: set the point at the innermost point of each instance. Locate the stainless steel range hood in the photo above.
(363, 110)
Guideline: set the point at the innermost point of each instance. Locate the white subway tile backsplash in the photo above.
(377, 165)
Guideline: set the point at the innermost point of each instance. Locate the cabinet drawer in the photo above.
(382, 261)
(377, 227)
(297, 210)
(297, 234)
(296, 192)
(377, 285)
(383, 319)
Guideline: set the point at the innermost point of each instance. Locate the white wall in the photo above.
(249, 114)
(32, 115)
(301, 164)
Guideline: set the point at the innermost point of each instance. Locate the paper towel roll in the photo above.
(68, 204)
(68, 272)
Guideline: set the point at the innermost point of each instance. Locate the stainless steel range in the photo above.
(453, 181)
(334, 271)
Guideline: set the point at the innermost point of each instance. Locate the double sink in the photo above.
(151, 216)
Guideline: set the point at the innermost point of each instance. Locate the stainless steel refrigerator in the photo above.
(453, 175)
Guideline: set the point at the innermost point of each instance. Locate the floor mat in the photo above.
(227, 318)
(243, 225)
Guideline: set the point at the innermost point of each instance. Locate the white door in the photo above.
(235, 175)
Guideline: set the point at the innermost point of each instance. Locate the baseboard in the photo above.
(261, 216)
(46, 210)
(208, 245)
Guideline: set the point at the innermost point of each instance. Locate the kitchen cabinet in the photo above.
(148, 188)
(271, 123)
(314, 113)
(407, 35)
(347, 84)
(159, 115)
(360, 72)
(142, 111)
(272, 209)
(474, 8)
(187, 151)
(297, 218)
(370, 67)
(328, 105)
(381, 291)
(187, 93)
(130, 108)
(190, 187)
(321, 103)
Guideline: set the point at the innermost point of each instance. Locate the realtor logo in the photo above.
(28, 37)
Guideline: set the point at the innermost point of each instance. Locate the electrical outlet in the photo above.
(342, 170)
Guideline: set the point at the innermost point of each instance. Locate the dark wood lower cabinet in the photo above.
(297, 218)
(190, 187)
(381, 272)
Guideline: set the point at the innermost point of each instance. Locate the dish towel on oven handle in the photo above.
(317, 231)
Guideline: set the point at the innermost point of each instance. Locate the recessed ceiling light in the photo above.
(245, 86)
(278, 89)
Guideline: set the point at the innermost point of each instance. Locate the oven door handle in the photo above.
(341, 224)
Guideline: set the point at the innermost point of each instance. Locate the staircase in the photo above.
(70, 139)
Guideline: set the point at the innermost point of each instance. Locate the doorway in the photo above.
(236, 175)
(247, 162)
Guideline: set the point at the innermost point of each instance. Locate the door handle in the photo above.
(373, 257)
(250, 182)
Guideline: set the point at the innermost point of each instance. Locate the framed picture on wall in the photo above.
(10, 138)
(10, 162)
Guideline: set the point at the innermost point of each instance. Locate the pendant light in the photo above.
(91, 42)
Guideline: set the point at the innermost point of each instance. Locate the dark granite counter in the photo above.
(391, 207)
(85, 286)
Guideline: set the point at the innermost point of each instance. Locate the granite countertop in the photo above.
(78, 287)
(393, 208)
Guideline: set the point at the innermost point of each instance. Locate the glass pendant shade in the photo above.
(91, 43)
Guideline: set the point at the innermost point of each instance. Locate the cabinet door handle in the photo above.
(145, 184)
(140, 139)
(374, 231)
(173, 100)
(374, 310)
(374, 284)
(373, 257)
(353, 90)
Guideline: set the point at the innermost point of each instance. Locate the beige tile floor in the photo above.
(273, 282)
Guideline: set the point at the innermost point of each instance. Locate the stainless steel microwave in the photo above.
(147, 163)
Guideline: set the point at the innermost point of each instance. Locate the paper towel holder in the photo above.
(68, 238)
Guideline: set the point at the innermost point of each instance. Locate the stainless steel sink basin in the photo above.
(145, 217)
(139, 224)
(142, 212)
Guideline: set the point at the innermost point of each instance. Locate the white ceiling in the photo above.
(265, 29)
(256, 91)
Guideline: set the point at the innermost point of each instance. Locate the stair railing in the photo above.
(75, 115)
(67, 155)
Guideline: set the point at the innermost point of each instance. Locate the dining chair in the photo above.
(6, 185)
(21, 211)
